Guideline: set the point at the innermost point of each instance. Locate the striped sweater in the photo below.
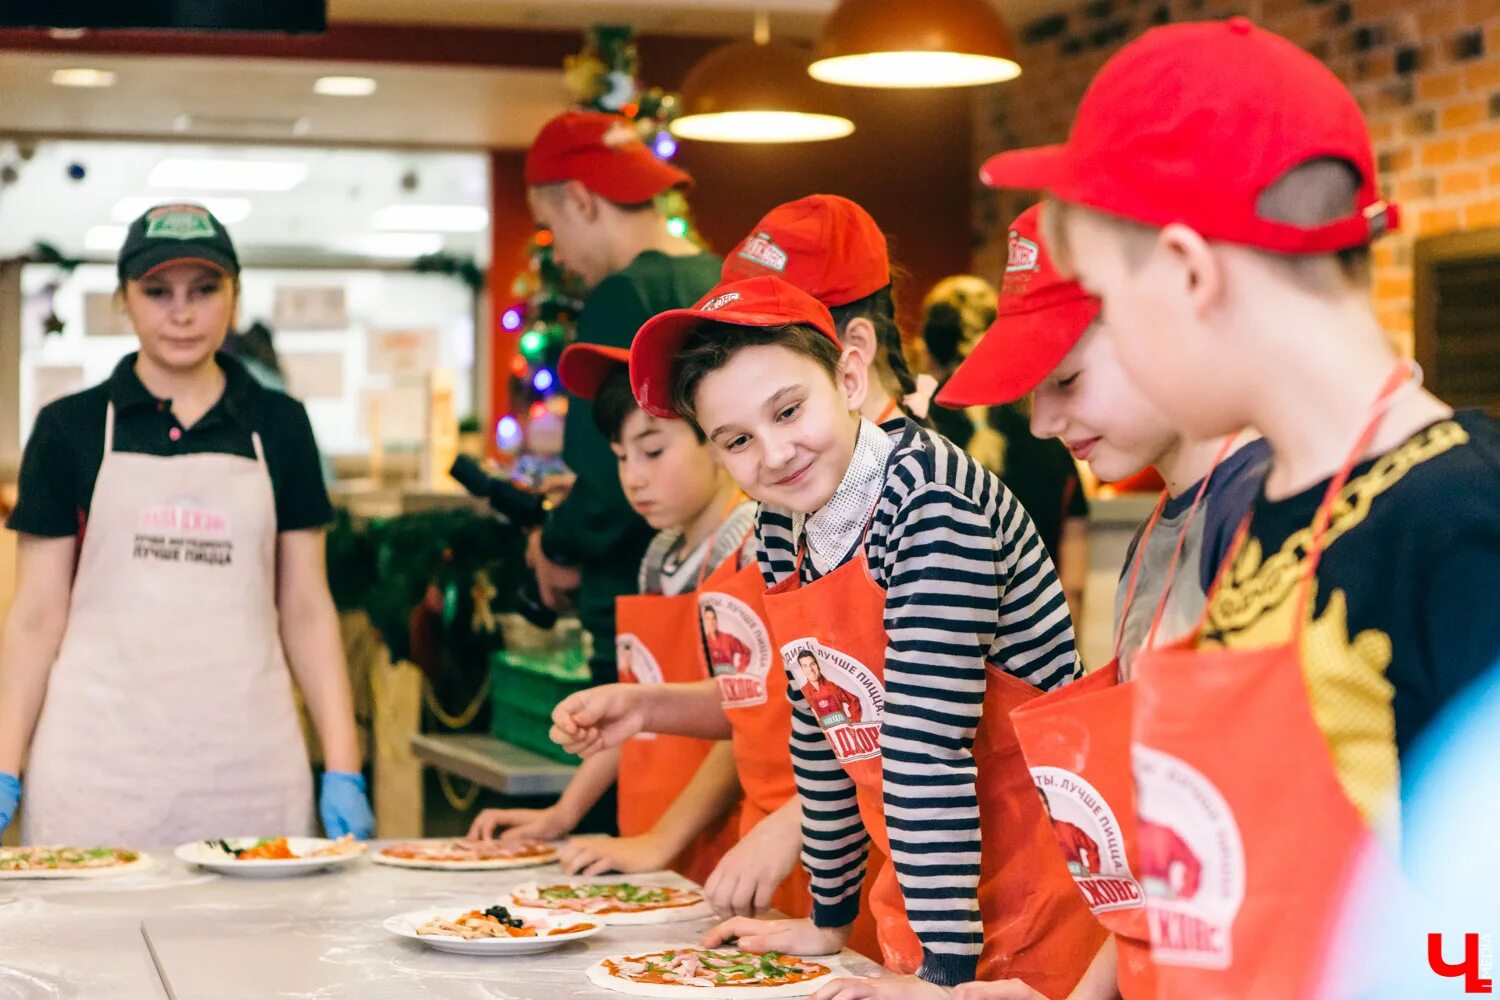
(967, 581)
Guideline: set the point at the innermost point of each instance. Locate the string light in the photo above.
(511, 318)
(542, 380)
(538, 411)
(544, 237)
(508, 433)
(519, 367)
(533, 342)
(677, 226)
(665, 146)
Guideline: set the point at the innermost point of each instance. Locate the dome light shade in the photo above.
(751, 92)
(914, 44)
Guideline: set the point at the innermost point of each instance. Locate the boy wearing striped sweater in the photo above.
(904, 574)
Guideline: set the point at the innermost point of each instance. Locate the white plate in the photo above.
(199, 852)
(499, 864)
(141, 861)
(405, 926)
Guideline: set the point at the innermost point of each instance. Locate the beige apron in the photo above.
(169, 714)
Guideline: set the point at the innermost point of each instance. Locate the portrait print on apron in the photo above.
(1192, 861)
(738, 646)
(846, 696)
(1091, 838)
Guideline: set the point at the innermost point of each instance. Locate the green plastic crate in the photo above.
(529, 732)
(525, 688)
(535, 684)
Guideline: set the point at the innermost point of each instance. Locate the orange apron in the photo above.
(1077, 744)
(752, 688)
(1035, 926)
(657, 642)
(1247, 839)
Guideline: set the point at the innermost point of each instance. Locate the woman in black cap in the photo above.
(148, 691)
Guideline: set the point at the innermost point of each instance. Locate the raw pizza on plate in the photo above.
(614, 902)
(465, 855)
(482, 929)
(711, 972)
(68, 862)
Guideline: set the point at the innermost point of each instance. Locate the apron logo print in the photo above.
(636, 665)
(182, 518)
(738, 647)
(844, 694)
(1090, 838)
(1192, 861)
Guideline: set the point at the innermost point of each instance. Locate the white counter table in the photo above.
(177, 932)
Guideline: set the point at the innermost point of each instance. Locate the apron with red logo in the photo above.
(1077, 744)
(832, 634)
(657, 641)
(752, 689)
(1247, 839)
(169, 713)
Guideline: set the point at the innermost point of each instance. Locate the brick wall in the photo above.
(1426, 72)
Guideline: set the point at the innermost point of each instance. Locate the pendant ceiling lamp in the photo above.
(758, 91)
(915, 43)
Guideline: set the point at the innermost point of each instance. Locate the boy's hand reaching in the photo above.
(598, 719)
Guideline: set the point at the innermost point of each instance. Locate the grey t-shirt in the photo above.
(1231, 490)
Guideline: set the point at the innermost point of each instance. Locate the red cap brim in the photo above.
(657, 344)
(584, 367)
(1036, 169)
(1017, 353)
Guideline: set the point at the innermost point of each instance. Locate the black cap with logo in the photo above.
(174, 234)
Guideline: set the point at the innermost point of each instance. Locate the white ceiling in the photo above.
(796, 18)
(318, 218)
(269, 99)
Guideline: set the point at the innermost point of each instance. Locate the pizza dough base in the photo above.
(668, 915)
(129, 867)
(497, 864)
(601, 977)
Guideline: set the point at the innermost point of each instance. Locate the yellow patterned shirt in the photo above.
(1405, 610)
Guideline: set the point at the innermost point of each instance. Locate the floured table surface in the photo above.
(174, 931)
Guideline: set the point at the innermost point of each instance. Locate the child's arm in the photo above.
(603, 717)
(589, 783)
(712, 792)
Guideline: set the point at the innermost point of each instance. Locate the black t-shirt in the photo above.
(1039, 471)
(66, 447)
(1404, 610)
(595, 527)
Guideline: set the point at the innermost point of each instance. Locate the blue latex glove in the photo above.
(345, 808)
(10, 797)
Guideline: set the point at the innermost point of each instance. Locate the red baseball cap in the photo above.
(605, 154)
(764, 301)
(584, 367)
(1041, 316)
(1191, 122)
(825, 245)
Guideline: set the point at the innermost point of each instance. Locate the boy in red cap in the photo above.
(675, 795)
(830, 248)
(940, 614)
(1218, 192)
(593, 183)
(1047, 340)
